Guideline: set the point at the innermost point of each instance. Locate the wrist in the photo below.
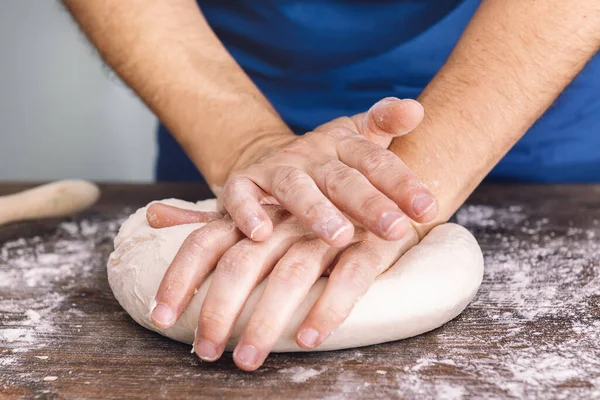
(257, 146)
(448, 153)
(217, 161)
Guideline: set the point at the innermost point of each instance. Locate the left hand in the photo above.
(341, 169)
(293, 258)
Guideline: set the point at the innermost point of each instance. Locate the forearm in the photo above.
(166, 51)
(511, 63)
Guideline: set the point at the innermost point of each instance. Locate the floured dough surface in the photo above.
(430, 285)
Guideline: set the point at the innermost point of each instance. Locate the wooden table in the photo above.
(533, 330)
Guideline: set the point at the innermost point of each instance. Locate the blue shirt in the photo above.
(318, 60)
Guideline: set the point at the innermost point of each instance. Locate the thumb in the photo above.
(389, 118)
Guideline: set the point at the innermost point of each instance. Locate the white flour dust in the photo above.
(300, 374)
(37, 276)
(34, 263)
(532, 285)
(539, 283)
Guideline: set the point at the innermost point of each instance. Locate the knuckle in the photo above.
(291, 273)
(337, 178)
(340, 132)
(263, 329)
(232, 188)
(199, 240)
(355, 273)
(239, 200)
(335, 315)
(375, 160)
(213, 317)
(327, 166)
(236, 261)
(287, 181)
(233, 185)
(348, 143)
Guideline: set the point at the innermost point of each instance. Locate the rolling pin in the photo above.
(56, 199)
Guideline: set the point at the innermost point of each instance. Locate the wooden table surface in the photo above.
(533, 330)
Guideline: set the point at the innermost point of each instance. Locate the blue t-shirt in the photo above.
(318, 60)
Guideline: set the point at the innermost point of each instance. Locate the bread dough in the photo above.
(430, 285)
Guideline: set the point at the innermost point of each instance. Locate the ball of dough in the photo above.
(430, 285)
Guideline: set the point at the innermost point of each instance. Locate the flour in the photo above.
(32, 265)
(299, 374)
(48, 267)
(516, 278)
(11, 335)
(516, 305)
(33, 316)
(8, 361)
(487, 216)
(542, 283)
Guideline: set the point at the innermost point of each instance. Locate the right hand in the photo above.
(292, 258)
(342, 167)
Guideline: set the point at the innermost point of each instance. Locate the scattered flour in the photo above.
(33, 316)
(37, 276)
(8, 361)
(10, 335)
(299, 374)
(532, 286)
(538, 283)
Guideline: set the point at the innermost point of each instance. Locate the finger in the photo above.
(388, 173)
(287, 285)
(389, 118)
(240, 269)
(241, 198)
(193, 262)
(351, 277)
(353, 194)
(297, 192)
(161, 215)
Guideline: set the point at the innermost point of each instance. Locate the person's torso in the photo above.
(318, 60)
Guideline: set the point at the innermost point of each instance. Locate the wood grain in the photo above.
(533, 330)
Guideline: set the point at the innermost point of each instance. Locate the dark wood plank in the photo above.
(532, 331)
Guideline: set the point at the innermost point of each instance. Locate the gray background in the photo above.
(62, 113)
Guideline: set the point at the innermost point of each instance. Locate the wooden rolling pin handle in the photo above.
(57, 199)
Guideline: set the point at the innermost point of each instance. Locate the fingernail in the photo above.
(422, 204)
(255, 225)
(206, 350)
(247, 355)
(309, 337)
(389, 220)
(335, 227)
(163, 315)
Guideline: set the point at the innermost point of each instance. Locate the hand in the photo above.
(293, 259)
(343, 167)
